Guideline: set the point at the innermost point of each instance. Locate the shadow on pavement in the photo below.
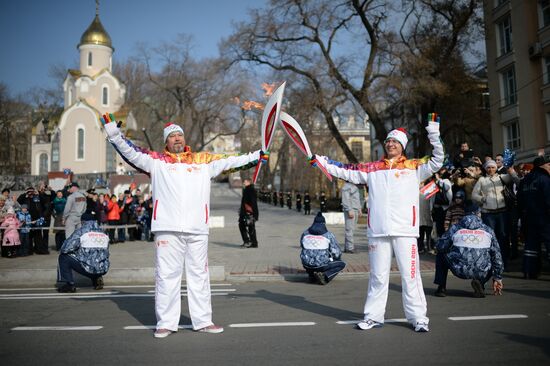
(539, 342)
(301, 303)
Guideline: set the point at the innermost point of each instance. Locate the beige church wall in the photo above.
(36, 151)
(94, 142)
(101, 59)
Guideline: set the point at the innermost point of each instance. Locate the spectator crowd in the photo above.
(27, 220)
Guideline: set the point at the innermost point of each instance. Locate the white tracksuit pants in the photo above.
(406, 255)
(173, 250)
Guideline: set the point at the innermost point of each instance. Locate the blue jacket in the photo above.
(471, 250)
(318, 250)
(89, 245)
(25, 220)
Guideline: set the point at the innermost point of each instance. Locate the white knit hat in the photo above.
(169, 128)
(399, 134)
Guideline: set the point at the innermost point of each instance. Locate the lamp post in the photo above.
(45, 123)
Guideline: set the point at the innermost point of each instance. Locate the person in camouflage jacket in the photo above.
(86, 251)
(471, 251)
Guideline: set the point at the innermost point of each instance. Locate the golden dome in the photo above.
(96, 34)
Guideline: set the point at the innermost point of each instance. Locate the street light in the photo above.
(45, 123)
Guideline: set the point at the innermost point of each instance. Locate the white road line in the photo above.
(397, 320)
(96, 296)
(55, 294)
(59, 328)
(124, 286)
(488, 317)
(153, 327)
(283, 324)
(211, 290)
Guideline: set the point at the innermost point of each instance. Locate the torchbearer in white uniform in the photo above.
(180, 183)
(392, 221)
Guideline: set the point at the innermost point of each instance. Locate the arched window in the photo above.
(80, 143)
(43, 164)
(89, 59)
(55, 152)
(105, 95)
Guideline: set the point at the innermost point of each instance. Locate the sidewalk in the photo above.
(277, 258)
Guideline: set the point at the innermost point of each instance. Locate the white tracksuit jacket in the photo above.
(392, 224)
(393, 187)
(180, 183)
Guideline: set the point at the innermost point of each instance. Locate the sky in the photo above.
(42, 33)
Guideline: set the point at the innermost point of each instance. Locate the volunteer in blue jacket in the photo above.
(320, 253)
(86, 251)
(471, 251)
(392, 221)
(180, 184)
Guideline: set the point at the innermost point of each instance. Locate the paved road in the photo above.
(307, 325)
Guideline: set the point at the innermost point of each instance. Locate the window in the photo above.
(545, 11)
(509, 86)
(89, 59)
(505, 36)
(80, 144)
(70, 97)
(105, 95)
(547, 126)
(546, 69)
(513, 140)
(55, 152)
(357, 149)
(43, 164)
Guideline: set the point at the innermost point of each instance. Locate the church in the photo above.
(77, 143)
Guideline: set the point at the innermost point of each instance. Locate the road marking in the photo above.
(488, 317)
(211, 290)
(111, 287)
(54, 294)
(283, 324)
(59, 328)
(96, 296)
(153, 327)
(397, 320)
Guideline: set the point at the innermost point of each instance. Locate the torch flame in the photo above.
(249, 104)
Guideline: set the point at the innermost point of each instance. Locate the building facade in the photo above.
(517, 37)
(77, 142)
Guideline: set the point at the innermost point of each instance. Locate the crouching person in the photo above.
(471, 251)
(86, 251)
(320, 252)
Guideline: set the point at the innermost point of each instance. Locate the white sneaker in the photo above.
(211, 329)
(162, 333)
(421, 327)
(368, 324)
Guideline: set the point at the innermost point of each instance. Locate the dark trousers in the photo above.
(25, 247)
(59, 239)
(45, 233)
(513, 216)
(425, 232)
(330, 270)
(438, 215)
(442, 270)
(36, 241)
(532, 255)
(66, 266)
(498, 222)
(111, 232)
(247, 227)
(307, 208)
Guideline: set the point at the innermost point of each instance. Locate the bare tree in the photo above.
(309, 38)
(174, 86)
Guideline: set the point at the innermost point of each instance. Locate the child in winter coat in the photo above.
(11, 235)
(25, 220)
